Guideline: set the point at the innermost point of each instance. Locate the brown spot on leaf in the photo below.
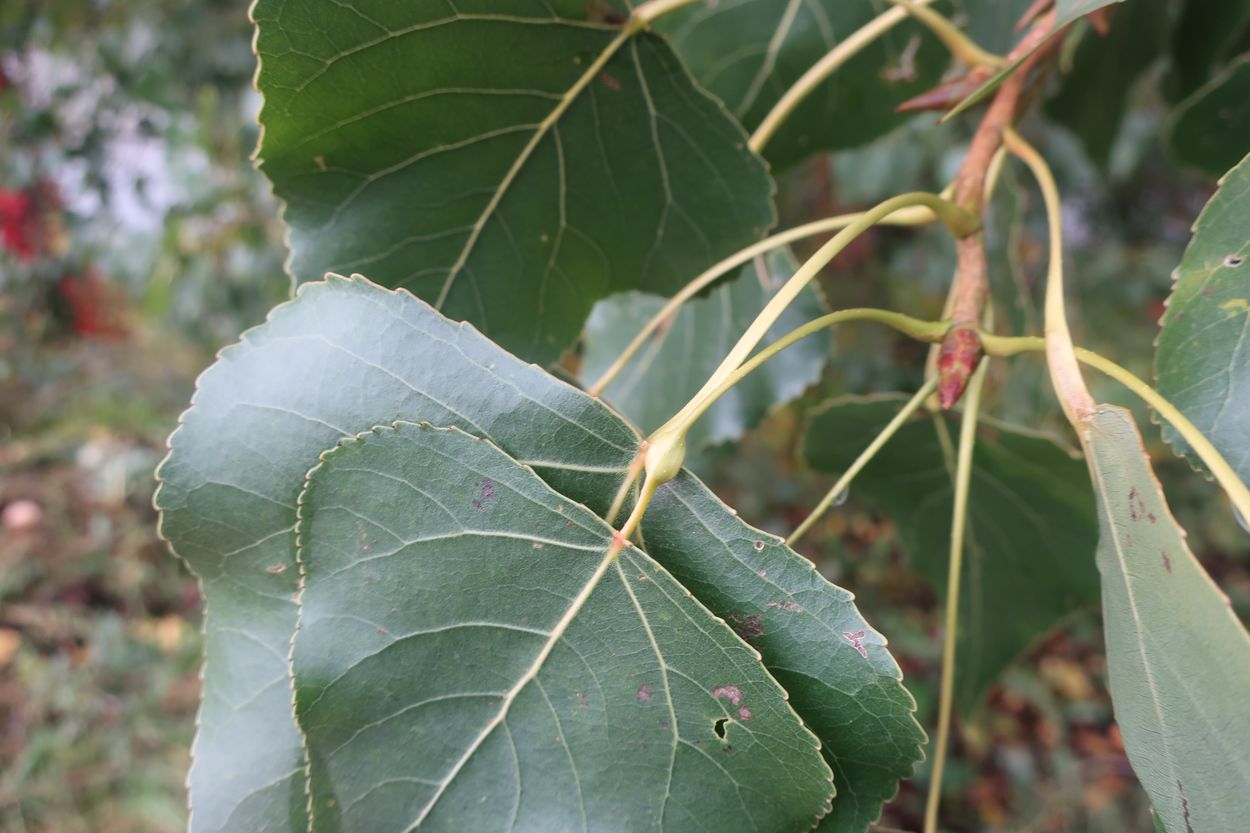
(759, 545)
(747, 627)
(788, 604)
(1189, 825)
(276, 568)
(744, 713)
(485, 492)
(856, 638)
(608, 81)
(1167, 563)
(644, 693)
(728, 692)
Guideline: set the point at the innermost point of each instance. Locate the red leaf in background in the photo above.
(94, 306)
(19, 224)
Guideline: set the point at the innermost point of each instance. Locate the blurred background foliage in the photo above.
(136, 238)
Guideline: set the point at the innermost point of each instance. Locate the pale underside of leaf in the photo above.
(595, 683)
(1178, 658)
(346, 355)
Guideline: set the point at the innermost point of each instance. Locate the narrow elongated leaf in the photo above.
(1203, 358)
(1208, 130)
(453, 603)
(1066, 12)
(684, 353)
(1178, 658)
(1031, 528)
(478, 158)
(346, 355)
(750, 53)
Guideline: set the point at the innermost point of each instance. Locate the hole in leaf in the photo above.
(719, 727)
(1234, 261)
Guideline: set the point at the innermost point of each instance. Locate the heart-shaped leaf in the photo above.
(685, 351)
(454, 605)
(1031, 527)
(487, 160)
(346, 355)
(1178, 658)
(775, 41)
(1202, 363)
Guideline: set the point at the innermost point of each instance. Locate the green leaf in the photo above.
(680, 357)
(1204, 37)
(569, 684)
(1066, 11)
(482, 161)
(1178, 659)
(346, 355)
(750, 54)
(992, 23)
(1202, 363)
(1096, 92)
(1031, 528)
(1208, 130)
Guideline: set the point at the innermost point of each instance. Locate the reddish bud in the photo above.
(959, 356)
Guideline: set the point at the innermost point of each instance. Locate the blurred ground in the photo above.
(137, 240)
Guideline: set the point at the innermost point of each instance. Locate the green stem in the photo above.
(929, 331)
(1065, 374)
(844, 482)
(825, 67)
(958, 43)
(959, 221)
(646, 13)
(946, 696)
(910, 216)
(1210, 456)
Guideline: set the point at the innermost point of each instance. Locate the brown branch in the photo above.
(961, 349)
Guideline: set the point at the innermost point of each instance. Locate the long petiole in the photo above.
(825, 67)
(959, 221)
(1065, 374)
(958, 43)
(959, 516)
(844, 482)
(929, 331)
(910, 216)
(1237, 491)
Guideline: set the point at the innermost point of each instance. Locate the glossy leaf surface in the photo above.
(475, 156)
(775, 41)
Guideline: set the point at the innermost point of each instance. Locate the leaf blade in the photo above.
(483, 522)
(1202, 358)
(1017, 585)
(493, 163)
(1176, 652)
(346, 355)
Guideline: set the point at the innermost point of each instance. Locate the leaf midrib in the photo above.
(540, 133)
